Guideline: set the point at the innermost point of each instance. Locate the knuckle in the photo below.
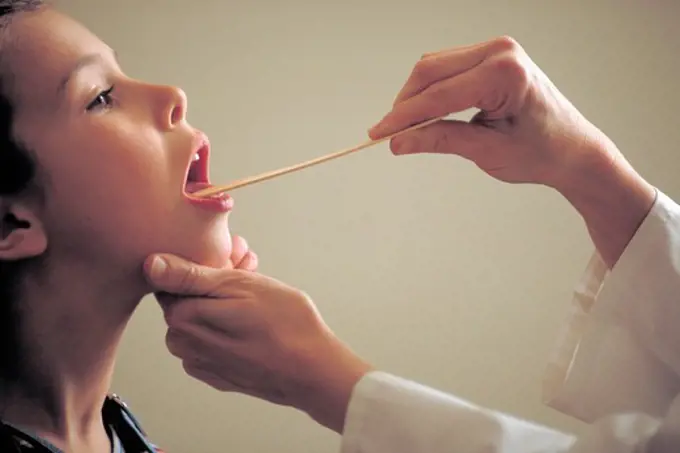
(506, 43)
(191, 278)
(188, 368)
(303, 298)
(513, 70)
(173, 341)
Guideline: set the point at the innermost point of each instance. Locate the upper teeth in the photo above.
(196, 157)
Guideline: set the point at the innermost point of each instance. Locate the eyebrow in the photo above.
(87, 60)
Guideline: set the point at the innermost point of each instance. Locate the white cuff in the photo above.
(620, 349)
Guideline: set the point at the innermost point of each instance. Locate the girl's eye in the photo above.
(103, 100)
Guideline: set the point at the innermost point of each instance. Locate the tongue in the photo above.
(192, 186)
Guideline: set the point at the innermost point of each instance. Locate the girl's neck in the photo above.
(61, 405)
(68, 350)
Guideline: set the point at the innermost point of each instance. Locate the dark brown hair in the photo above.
(17, 171)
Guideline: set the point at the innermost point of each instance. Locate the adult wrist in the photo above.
(326, 396)
(612, 198)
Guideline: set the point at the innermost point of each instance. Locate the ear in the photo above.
(22, 234)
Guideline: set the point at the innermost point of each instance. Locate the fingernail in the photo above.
(158, 267)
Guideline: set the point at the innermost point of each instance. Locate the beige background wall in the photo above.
(424, 265)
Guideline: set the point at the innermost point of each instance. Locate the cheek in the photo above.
(119, 198)
(117, 202)
(119, 186)
(108, 162)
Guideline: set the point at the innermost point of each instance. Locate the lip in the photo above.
(197, 177)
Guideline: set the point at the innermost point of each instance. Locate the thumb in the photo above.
(174, 275)
(468, 140)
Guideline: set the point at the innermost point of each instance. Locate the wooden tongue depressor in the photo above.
(293, 168)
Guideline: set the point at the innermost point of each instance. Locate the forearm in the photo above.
(613, 200)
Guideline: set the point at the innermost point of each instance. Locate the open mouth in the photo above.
(197, 177)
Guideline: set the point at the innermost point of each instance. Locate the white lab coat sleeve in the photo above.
(616, 366)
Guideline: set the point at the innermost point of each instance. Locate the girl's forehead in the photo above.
(41, 49)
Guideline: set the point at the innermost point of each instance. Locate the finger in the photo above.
(165, 301)
(210, 378)
(442, 65)
(166, 298)
(224, 316)
(194, 341)
(235, 371)
(239, 250)
(250, 262)
(175, 275)
(499, 88)
(233, 382)
(470, 141)
(442, 98)
(484, 83)
(176, 308)
(177, 344)
(449, 50)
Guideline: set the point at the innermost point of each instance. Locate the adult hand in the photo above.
(242, 331)
(525, 132)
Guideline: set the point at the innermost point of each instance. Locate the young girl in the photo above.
(95, 175)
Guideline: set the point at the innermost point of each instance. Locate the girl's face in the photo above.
(113, 153)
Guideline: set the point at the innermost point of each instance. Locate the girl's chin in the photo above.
(213, 253)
